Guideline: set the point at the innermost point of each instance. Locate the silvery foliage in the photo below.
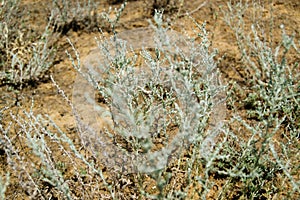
(161, 92)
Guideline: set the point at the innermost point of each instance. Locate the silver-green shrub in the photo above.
(176, 89)
(23, 59)
(75, 15)
(266, 139)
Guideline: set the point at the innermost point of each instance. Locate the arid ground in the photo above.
(41, 96)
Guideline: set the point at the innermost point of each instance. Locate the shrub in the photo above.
(23, 59)
(75, 15)
(175, 90)
(270, 129)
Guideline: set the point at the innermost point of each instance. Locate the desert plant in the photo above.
(273, 79)
(42, 157)
(149, 107)
(3, 185)
(24, 58)
(272, 103)
(176, 91)
(8, 12)
(168, 6)
(75, 15)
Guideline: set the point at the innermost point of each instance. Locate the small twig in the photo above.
(195, 10)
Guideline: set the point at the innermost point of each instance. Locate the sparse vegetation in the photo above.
(25, 55)
(75, 15)
(152, 117)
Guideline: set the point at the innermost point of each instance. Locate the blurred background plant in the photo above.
(75, 15)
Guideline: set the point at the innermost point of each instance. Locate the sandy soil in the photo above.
(47, 100)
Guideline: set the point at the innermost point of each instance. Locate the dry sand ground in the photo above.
(45, 95)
